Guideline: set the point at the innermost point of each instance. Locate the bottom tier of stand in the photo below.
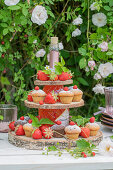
(30, 143)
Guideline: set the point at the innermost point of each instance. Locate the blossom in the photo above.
(39, 15)
(40, 53)
(35, 41)
(105, 69)
(47, 67)
(91, 64)
(99, 19)
(105, 146)
(94, 6)
(99, 89)
(77, 21)
(45, 150)
(11, 2)
(60, 45)
(103, 46)
(76, 32)
(97, 76)
(87, 69)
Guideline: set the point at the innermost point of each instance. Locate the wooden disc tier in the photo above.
(54, 106)
(30, 143)
(58, 82)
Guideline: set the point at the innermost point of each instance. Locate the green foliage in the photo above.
(81, 121)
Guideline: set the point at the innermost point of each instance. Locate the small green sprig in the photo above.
(80, 120)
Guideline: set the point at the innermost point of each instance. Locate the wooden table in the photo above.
(13, 158)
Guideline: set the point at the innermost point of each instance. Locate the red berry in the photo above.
(58, 122)
(30, 121)
(2, 42)
(42, 76)
(3, 56)
(85, 156)
(29, 98)
(92, 119)
(22, 118)
(41, 102)
(85, 132)
(75, 87)
(37, 134)
(19, 130)
(36, 88)
(25, 35)
(82, 153)
(64, 76)
(43, 127)
(93, 153)
(72, 123)
(51, 98)
(66, 88)
(11, 126)
(47, 133)
(4, 72)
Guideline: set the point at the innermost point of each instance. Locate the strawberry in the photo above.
(42, 127)
(93, 153)
(47, 133)
(42, 76)
(12, 126)
(51, 98)
(29, 98)
(53, 76)
(30, 121)
(37, 134)
(41, 102)
(69, 76)
(58, 122)
(64, 76)
(2, 42)
(25, 35)
(75, 87)
(85, 156)
(4, 71)
(36, 88)
(85, 132)
(3, 56)
(72, 123)
(22, 118)
(66, 89)
(82, 153)
(19, 130)
(92, 119)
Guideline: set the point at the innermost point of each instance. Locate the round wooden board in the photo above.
(54, 106)
(30, 143)
(58, 82)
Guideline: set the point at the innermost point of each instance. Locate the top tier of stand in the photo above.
(58, 82)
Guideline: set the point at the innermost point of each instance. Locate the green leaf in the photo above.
(3, 24)
(52, 148)
(4, 81)
(58, 70)
(82, 63)
(5, 31)
(1, 117)
(109, 53)
(24, 11)
(35, 121)
(82, 144)
(14, 7)
(46, 121)
(83, 81)
(107, 8)
(62, 61)
(82, 51)
(82, 121)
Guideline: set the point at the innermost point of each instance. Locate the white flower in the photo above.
(47, 67)
(75, 33)
(87, 69)
(97, 76)
(60, 45)
(91, 64)
(105, 69)
(99, 19)
(11, 2)
(77, 21)
(39, 15)
(99, 89)
(35, 41)
(45, 150)
(105, 147)
(103, 46)
(40, 53)
(94, 6)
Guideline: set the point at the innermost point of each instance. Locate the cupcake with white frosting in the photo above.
(66, 96)
(38, 95)
(93, 127)
(72, 131)
(77, 93)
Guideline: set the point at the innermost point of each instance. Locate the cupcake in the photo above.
(66, 96)
(94, 127)
(38, 95)
(72, 131)
(28, 128)
(77, 93)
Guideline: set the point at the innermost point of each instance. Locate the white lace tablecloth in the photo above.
(14, 158)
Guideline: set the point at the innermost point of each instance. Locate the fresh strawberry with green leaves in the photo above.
(19, 130)
(42, 76)
(37, 134)
(85, 132)
(64, 76)
(51, 98)
(47, 133)
(12, 126)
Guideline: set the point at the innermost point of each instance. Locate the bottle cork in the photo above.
(54, 40)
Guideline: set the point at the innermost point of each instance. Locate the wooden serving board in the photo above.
(30, 143)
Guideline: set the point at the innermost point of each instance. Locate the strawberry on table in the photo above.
(36, 88)
(42, 127)
(47, 133)
(22, 118)
(92, 120)
(72, 123)
(30, 121)
(37, 134)
(41, 102)
(51, 98)
(64, 76)
(42, 76)
(19, 130)
(12, 126)
(85, 132)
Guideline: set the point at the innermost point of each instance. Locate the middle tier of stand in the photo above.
(54, 106)
(58, 82)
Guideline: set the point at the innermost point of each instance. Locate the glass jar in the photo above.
(9, 113)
